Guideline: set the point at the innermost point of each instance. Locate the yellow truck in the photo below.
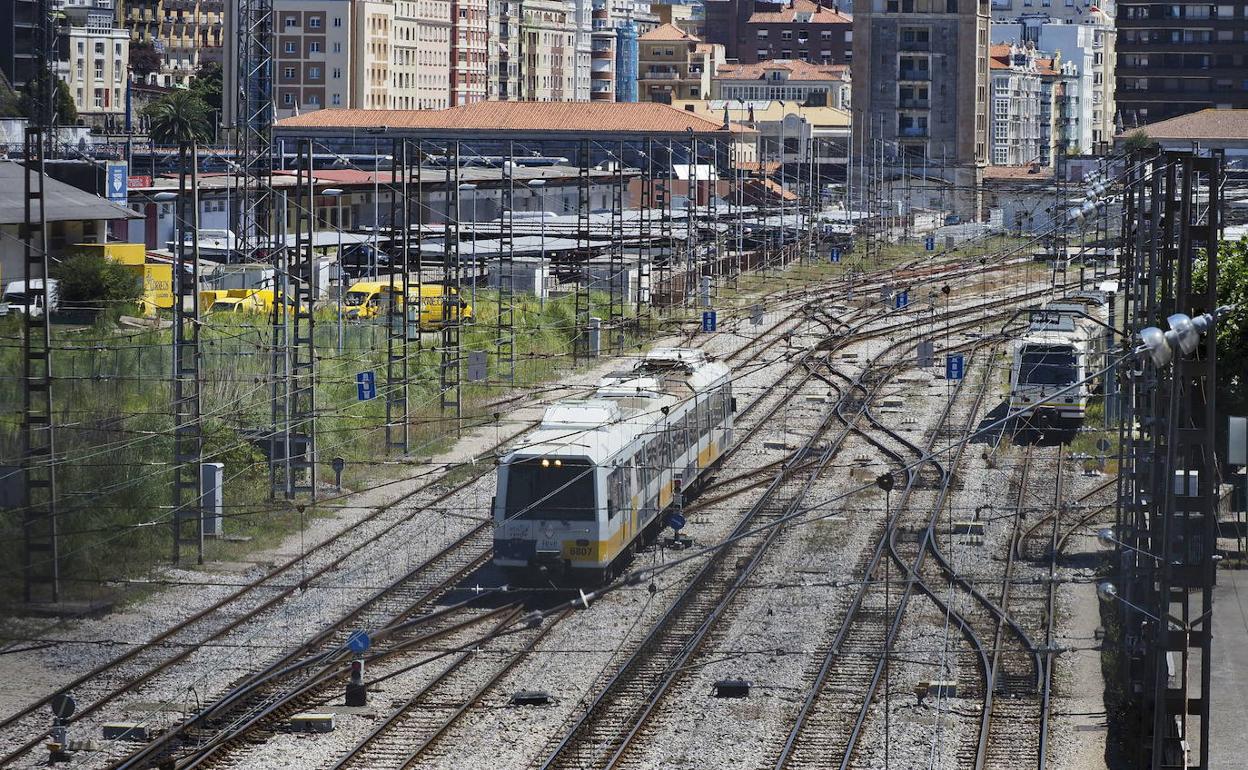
(157, 277)
(371, 299)
(238, 300)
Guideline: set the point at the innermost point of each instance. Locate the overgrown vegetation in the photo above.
(93, 282)
(114, 433)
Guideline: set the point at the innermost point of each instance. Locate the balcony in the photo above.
(660, 75)
(915, 45)
(912, 74)
(914, 132)
(914, 104)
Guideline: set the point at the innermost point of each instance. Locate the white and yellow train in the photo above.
(1055, 363)
(597, 475)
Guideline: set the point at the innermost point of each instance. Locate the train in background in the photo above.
(595, 479)
(1061, 352)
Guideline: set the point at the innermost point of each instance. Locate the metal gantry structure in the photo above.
(398, 310)
(1168, 481)
(40, 524)
(450, 370)
(582, 310)
(188, 432)
(505, 326)
(617, 274)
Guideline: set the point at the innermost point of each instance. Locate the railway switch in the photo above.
(357, 692)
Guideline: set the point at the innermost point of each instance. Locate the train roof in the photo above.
(625, 404)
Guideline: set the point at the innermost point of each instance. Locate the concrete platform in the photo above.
(1229, 702)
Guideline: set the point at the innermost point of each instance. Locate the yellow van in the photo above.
(370, 299)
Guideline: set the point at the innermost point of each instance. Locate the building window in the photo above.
(314, 100)
(99, 48)
(314, 73)
(337, 47)
(337, 21)
(290, 22)
(288, 73)
(287, 99)
(99, 69)
(786, 34)
(80, 69)
(335, 100)
(315, 46)
(314, 22)
(288, 47)
(337, 73)
(825, 34)
(99, 97)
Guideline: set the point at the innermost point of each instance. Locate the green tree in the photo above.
(10, 102)
(1138, 140)
(207, 84)
(1233, 327)
(179, 118)
(144, 60)
(91, 281)
(64, 111)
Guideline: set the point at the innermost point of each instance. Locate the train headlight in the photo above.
(545, 463)
(558, 463)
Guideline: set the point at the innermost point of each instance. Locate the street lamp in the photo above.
(468, 186)
(335, 192)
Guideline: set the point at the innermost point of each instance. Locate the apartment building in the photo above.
(1177, 58)
(688, 16)
(810, 30)
(552, 66)
(470, 51)
(1084, 32)
(1088, 95)
(1028, 91)
(96, 56)
(19, 23)
(784, 80)
(921, 86)
(187, 34)
(422, 54)
(673, 65)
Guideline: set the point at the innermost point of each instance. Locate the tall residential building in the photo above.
(422, 54)
(548, 39)
(752, 31)
(187, 34)
(615, 27)
(470, 54)
(921, 86)
(19, 25)
(1179, 58)
(1084, 32)
(1016, 73)
(675, 65)
(96, 55)
(1087, 50)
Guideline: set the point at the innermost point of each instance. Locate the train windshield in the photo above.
(1047, 365)
(549, 489)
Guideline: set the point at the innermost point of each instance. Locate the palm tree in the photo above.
(179, 118)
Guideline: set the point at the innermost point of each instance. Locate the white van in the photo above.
(15, 296)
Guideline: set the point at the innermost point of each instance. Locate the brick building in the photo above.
(753, 31)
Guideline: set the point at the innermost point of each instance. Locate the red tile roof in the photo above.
(820, 14)
(669, 32)
(797, 69)
(1207, 124)
(576, 117)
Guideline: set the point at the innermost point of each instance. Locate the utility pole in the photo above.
(450, 398)
(188, 435)
(398, 311)
(581, 301)
(40, 535)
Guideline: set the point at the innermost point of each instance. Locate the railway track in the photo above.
(144, 662)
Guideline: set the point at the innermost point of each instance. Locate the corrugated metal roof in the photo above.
(543, 117)
(62, 202)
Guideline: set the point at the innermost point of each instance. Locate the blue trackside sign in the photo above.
(366, 386)
(955, 366)
(708, 320)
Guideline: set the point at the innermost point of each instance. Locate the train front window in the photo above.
(550, 489)
(1047, 365)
